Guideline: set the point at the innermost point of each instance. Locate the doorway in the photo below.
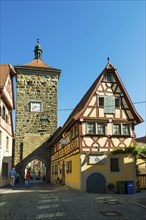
(96, 183)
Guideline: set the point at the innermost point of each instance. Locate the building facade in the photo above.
(36, 110)
(104, 120)
(141, 163)
(7, 73)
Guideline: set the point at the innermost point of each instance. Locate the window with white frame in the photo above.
(125, 129)
(100, 128)
(116, 129)
(95, 128)
(109, 103)
(121, 129)
(91, 128)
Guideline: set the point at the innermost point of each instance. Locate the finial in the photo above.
(38, 41)
(108, 59)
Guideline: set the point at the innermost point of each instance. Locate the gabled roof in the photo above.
(78, 110)
(5, 69)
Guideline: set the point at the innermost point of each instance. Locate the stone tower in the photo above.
(36, 107)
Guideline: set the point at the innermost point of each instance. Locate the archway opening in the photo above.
(96, 183)
(37, 170)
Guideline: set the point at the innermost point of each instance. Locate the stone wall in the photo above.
(34, 128)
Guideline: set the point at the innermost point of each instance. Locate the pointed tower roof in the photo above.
(37, 63)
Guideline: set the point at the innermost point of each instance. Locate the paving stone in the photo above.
(44, 201)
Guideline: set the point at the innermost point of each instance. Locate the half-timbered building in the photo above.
(103, 120)
(7, 73)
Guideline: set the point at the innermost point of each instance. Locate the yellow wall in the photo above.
(126, 173)
(73, 179)
(141, 165)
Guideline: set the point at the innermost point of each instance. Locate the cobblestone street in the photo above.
(44, 201)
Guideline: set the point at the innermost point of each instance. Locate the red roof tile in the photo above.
(5, 69)
(37, 63)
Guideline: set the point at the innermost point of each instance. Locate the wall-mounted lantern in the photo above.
(44, 119)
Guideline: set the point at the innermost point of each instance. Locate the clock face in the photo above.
(35, 106)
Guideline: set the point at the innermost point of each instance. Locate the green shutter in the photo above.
(109, 107)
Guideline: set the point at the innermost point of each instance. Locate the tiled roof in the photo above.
(37, 63)
(141, 139)
(5, 69)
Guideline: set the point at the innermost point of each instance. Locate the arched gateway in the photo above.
(42, 155)
(36, 111)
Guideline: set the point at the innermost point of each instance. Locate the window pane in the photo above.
(117, 103)
(101, 102)
(114, 164)
(125, 129)
(91, 128)
(116, 129)
(101, 128)
(69, 166)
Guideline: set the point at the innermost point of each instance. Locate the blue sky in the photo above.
(77, 37)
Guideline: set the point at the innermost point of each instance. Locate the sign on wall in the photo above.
(96, 158)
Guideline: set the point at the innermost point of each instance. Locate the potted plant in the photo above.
(111, 188)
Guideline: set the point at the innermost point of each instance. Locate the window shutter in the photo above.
(109, 107)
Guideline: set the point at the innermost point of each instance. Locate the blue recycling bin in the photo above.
(130, 187)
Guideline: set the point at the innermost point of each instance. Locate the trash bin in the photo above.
(121, 187)
(129, 187)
